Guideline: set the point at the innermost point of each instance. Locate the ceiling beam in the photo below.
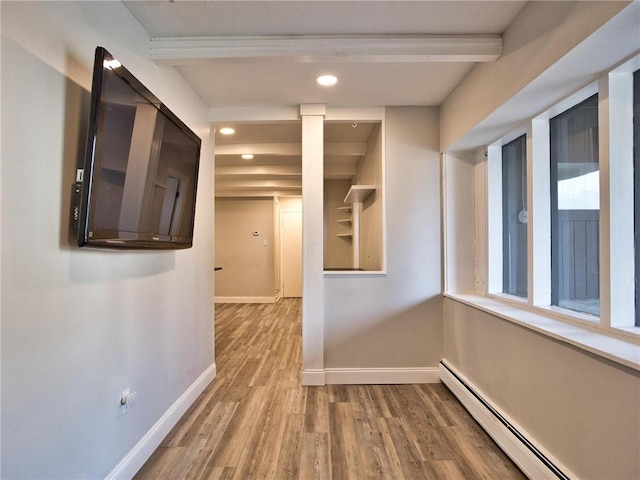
(328, 48)
(270, 114)
(245, 178)
(337, 171)
(288, 149)
(346, 149)
(258, 184)
(279, 172)
(264, 160)
(282, 149)
(260, 194)
(256, 170)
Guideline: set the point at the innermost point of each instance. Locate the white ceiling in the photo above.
(181, 18)
(281, 81)
(197, 37)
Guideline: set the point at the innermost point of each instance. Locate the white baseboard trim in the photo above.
(381, 376)
(313, 377)
(517, 443)
(140, 453)
(245, 299)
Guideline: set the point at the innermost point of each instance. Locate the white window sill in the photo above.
(623, 351)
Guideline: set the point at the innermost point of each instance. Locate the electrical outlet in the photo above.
(124, 407)
(127, 399)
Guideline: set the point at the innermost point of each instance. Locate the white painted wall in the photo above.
(395, 320)
(459, 222)
(580, 407)
(248, 266)
(78, 327)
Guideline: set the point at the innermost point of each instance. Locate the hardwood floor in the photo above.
(255, 421)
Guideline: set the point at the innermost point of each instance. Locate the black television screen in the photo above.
(137, 187)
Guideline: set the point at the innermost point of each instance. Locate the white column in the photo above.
(494, 219)
(312, 244)
(356, 208)
(615, 130)
(539, 216)
(480, 177)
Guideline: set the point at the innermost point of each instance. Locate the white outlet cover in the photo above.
(124, 407)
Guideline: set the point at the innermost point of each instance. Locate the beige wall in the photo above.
(338, 252)
(248, 265)
(290, 204)
(578, 406)
(583, 409)
(370, 173)
(395, 320)
(283, 204)
(80, 326)
(460, 221)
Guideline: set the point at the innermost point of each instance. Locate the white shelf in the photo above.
(359, 193)
(344, 220)
(344, 235)
(344, 209)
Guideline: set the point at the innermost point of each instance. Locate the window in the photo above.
(556, 212)
(575, 208)
(514, 217)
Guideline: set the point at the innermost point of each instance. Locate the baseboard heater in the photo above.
(531, 460)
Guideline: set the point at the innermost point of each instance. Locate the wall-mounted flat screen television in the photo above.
(137, 187)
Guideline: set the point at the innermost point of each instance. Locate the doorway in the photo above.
(258, 175)
(291, 234)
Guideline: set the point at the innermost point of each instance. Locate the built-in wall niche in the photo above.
(353, 196)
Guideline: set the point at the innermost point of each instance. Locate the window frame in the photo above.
(557, 250)
(636, 188)
(494, 241)
(616, 236)
(520, 190)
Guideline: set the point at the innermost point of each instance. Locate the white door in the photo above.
(291, 253)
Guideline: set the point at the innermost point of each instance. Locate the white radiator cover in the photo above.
(534, 461)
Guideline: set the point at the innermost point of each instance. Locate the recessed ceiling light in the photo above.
(227, 131)
(327, 80)
(247, 156)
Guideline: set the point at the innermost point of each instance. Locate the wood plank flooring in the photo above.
(255, 421)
